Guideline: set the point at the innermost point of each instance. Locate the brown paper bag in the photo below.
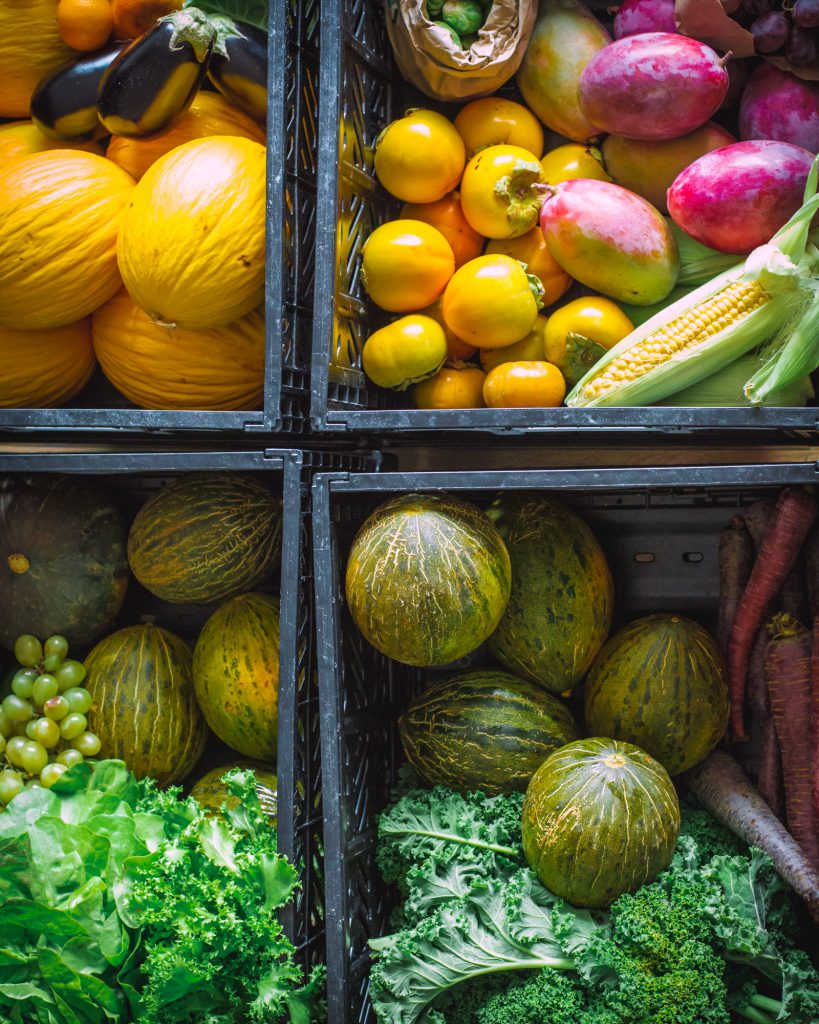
(429, 59)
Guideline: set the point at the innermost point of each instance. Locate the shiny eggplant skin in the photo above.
(64, 104)
(150, 86)
(241, 75)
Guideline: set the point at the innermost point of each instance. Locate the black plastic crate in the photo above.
(660, 531)
(362, 91)
(133, 476)
(292, 144)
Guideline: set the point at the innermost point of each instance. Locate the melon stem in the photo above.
(19, 564)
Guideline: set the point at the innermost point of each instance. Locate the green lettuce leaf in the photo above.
(251, 12)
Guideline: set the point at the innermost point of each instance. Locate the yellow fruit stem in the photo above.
(19, 564)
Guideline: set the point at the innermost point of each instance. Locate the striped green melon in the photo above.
(600, 818)
(660, 683)
(428, 578)
(485, 729)
(205, 538)
(236, 674)
(145, 712)
(211, 793)
(562, 601)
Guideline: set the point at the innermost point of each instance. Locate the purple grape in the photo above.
(770, 32)
(805, 13)
(801, 48)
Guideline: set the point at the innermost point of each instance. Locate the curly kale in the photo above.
(484, 942)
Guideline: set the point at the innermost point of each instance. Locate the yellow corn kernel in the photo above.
(728, 306)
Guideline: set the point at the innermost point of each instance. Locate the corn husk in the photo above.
(727, 388)
(698, 263)
(785, 270)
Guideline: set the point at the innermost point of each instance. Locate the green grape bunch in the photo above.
(43, 721)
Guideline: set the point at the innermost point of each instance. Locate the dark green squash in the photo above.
(600, 818)
(145, 711)
(63, 567)
(428, 578)
(205, 538)
(562, 601)
(485, 729)
(660, 683)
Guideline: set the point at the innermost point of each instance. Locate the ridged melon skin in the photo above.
(600, 818)
(206, 538)
(211, 793)
(562, 602)
(63, 565)
(428, 578)
(163, 368)
(191, 248)
(145, 712)
(60, 212)
(660, 683)
(236, 674)
(30, 48)
(44, 369)
(484, 730)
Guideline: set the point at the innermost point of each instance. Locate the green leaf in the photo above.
(279, 881)
(251, 12)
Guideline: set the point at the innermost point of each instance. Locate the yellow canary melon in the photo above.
(24, 138)
(59, 216)
(30, 47)
(191, 247)
(209, 114)
(173, 368)
(44, 369)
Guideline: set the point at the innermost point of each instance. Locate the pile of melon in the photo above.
(68, 558)
(146, 256)
(520, 594)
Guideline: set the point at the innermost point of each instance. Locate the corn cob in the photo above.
(707, 330)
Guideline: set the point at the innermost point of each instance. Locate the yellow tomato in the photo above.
(405, 265)
(524, 386)
(493, 120)
(24, 138)
(499, 196)
(573, 161)
(532, 250)
(420, 157)
(451, 388)
(526, 350)
(447, 216)
(578, 334)
(489, 302)
(404, 352)
(456, 350)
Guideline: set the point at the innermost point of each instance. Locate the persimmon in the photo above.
(132, 18)
(524, 385)
(85, 25)
(451, 388)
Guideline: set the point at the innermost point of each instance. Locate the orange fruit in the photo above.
(85, 24)
(132, 18)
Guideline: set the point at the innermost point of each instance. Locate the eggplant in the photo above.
(238, 68)
(64, 104)
(150, 86)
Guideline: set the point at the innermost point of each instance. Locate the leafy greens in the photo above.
(121, 902)
(483, 942)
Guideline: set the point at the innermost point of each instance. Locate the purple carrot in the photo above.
(814, 723)
(736, 556)
(723, 789)
(788, 673)
(763, 732)
(756, 518)
(788, 526)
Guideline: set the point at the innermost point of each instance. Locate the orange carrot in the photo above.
(788, 526)
(788, 673)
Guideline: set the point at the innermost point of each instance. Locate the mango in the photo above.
(565, 38)
(657, 85)
(736, 198)
(637, 16)
(649, 168)
(611, 240)
(777, 105)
